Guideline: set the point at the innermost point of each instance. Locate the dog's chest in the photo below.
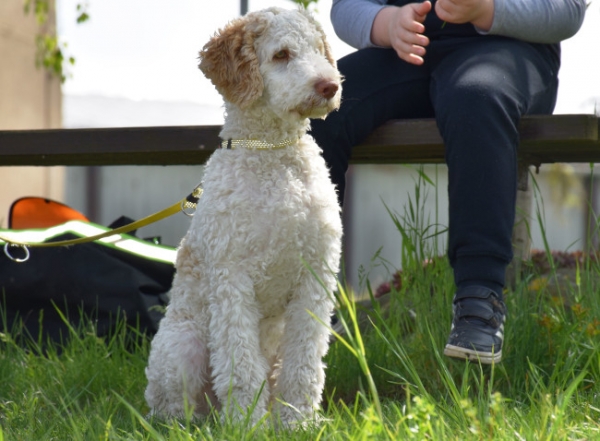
(273, 212)
(261, 185)
(284, 207)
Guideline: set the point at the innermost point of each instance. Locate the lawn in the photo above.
(386, 375)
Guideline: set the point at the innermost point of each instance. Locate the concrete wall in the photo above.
(106, 193)
(29, 99)
(559, 215)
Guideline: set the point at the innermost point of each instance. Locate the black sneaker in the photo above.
(478, 326)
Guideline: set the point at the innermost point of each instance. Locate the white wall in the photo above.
(562, 202)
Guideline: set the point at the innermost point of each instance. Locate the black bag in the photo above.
(108, 281)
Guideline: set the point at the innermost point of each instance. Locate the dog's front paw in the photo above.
(287, 416)
(237, 417)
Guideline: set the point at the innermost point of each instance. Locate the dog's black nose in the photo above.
(326, 88)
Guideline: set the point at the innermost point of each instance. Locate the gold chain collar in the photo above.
(254, 144)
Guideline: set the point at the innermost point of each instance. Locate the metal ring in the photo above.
(7, 245)
(183, 208)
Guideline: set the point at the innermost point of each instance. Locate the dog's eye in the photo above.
(282, 55)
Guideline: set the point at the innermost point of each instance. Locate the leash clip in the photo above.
(8, 245)
(191, 201)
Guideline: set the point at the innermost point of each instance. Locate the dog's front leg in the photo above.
(305, 342)
(239, 368)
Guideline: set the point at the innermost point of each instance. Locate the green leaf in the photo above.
(83, 17)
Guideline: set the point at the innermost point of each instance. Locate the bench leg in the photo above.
(521, 237)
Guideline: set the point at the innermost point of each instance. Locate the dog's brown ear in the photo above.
(229, 61)
(328, 53)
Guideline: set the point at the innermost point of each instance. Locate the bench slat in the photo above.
(544, 139)
(109, 146)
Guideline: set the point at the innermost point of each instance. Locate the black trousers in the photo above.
(477, 88)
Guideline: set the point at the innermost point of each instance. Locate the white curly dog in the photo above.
(246, 328)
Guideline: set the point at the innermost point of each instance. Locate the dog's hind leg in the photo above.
(178, 369)
(239, 368)
(305, 342)
(178, 373)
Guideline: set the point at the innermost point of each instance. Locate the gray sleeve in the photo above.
(353, 19)
(537, 21)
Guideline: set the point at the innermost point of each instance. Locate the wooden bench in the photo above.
(544, 139)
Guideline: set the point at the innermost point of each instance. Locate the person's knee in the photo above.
(476, 99)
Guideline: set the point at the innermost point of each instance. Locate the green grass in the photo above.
(388, 380)
(393, 382)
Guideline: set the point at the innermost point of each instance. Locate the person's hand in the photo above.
(402, 29)
(480, 13)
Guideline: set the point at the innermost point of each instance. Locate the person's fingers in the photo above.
(422, 9)
(406, 36)
(410, 53)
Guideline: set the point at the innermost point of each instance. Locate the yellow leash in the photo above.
(189, 201)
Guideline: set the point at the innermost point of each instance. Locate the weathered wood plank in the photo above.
(544, 139)
(110, 146)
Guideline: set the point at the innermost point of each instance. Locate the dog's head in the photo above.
(278, 56)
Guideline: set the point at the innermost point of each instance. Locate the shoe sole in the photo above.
(472, 355)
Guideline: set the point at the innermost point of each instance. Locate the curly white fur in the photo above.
(262, 251)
